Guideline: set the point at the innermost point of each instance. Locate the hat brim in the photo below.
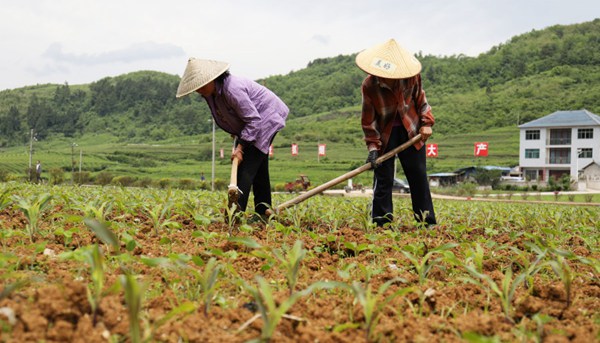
(388, 60)
(199, 73)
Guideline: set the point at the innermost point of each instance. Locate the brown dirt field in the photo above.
(53, 306)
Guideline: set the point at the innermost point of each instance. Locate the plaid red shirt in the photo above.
(382, 107)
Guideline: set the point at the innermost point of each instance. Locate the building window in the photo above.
(531, 174)
(532, 153)
(585, 152)
(559, 156)
(585, 133)
(532, 135)
(560, 137)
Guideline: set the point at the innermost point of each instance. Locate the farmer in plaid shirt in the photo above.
(395, 109)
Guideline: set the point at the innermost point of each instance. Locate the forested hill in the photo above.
(527, 77)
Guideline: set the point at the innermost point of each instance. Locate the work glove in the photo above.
(238, 153)
(373, 155)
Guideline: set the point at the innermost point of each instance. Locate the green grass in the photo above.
(188, 157)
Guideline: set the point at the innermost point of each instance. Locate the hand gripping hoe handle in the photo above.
(346, 176)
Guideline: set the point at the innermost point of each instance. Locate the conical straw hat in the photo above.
(198, 73)
(388, 60)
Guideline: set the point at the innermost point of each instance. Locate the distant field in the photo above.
(188, 157)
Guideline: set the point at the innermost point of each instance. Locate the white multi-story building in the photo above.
(560, 143)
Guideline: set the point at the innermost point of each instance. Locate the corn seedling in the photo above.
(5, 199)
(208, 282)
(97, 210)
(290, 262)
(94, 289)
(505, 291)
(476, 257)
(269, 311)
(561, 268)
(422, 265)
(133, 299)
(373, 302)
(530, 268)
(33, 208)
(232, 217)
(356, 248)
(160, 216)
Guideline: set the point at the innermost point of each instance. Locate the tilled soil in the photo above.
(53, 305)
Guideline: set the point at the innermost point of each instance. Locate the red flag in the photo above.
(481, 149)
(322, 149)
(432, 150)
(294, 149)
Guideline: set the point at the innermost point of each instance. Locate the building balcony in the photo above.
(559, 141)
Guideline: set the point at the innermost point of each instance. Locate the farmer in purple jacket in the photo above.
(247, 110)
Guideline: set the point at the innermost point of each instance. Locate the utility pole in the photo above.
(80, 158)
(30, 154)
(73, 145)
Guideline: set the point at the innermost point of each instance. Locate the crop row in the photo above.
(185, 248)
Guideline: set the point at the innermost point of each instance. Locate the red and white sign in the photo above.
(221, 153)
(271, 150)
(432, 150)
(322, 149)
(481, 149)
(294, 149)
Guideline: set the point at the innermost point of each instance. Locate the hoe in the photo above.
(342, 178)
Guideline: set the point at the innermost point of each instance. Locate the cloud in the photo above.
(134, 53)
(321, 39)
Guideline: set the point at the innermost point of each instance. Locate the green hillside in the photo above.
(133, 125)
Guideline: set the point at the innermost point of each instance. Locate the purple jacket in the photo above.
(248, 110)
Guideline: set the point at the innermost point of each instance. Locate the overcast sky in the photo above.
(82, 41)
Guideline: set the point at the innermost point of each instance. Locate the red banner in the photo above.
(481, 149)
(432, 150)
(322, 149)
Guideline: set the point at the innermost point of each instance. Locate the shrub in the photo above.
(57, 176)
(164, 183)
(124, 180)
(221, 184)
(3, 175)
(467, 189)
(81, 177)
(187, 184)
(103, 178)
(204, 185)
(144, 182)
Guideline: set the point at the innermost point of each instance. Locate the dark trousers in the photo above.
(253, 173)
(414, 166)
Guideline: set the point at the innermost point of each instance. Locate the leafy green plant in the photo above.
(373, 302)
(133, 300)
(33, 209)
(422, 265)
(530, 268)
(5, 199)
(160, 216)
(290, 262)
(505, 291)
(269, 310)
(97, 209)
(94, 290)
(207, 281)
(475, 257)
(559, 264)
